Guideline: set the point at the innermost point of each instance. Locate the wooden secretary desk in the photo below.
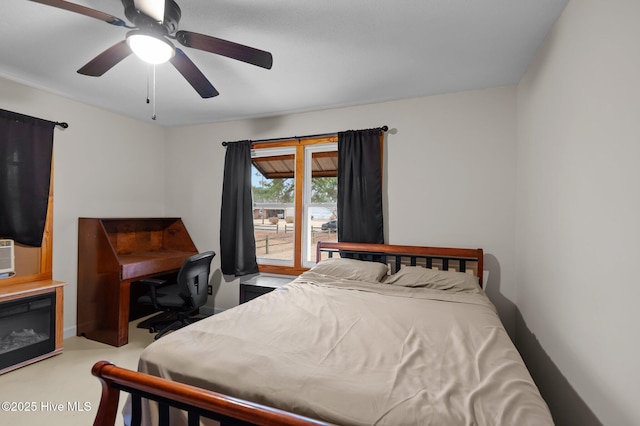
(113, 253)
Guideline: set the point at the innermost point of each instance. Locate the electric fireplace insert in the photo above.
(27, 328)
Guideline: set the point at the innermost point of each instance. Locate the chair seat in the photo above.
(168, 296)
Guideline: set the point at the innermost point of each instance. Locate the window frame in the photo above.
(300, 144)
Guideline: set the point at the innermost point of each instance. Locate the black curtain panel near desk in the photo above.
(237, 240)
(26, 150)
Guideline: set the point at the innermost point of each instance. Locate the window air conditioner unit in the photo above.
(7, 261)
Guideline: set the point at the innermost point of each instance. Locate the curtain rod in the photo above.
(62, 124)
(382, 129)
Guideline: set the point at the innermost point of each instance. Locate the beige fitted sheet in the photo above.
(356, 353)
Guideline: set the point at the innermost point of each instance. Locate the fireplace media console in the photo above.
(30, 322)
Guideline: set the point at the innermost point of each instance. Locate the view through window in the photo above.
(295, 192)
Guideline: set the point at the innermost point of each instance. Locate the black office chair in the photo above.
(183, 296)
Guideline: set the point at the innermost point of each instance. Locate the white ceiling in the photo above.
(326, 53)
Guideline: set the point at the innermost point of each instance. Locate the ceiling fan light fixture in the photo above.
(150, 49)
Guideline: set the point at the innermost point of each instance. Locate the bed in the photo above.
(373, 334)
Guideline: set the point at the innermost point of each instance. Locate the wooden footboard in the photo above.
(196, 402)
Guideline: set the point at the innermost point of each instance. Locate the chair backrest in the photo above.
(193, 278)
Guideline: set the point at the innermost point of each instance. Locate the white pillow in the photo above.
(351, 269)
(417, 276)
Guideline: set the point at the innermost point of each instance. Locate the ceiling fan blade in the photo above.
(193, 75)
(226, 48)
(152, 8)
(83, 10)
(106, 60)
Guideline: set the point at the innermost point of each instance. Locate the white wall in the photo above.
(106, 165)
(450, 175)
(578, 205)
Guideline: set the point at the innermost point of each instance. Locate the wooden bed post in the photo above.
(108, 409)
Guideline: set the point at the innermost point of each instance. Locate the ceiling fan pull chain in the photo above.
(148, 72)
(153, 117)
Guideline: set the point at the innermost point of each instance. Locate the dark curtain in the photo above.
(237, 240)
(360, 187)
(26, 149)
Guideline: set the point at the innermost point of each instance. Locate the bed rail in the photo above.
(195, 401)
(458, 259)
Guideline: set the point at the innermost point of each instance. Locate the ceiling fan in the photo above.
(155, 25)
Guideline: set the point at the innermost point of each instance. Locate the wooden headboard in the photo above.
(444, 258)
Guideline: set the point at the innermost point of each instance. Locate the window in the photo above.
(295, 188)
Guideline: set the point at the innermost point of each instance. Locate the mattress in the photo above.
(353, 352)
